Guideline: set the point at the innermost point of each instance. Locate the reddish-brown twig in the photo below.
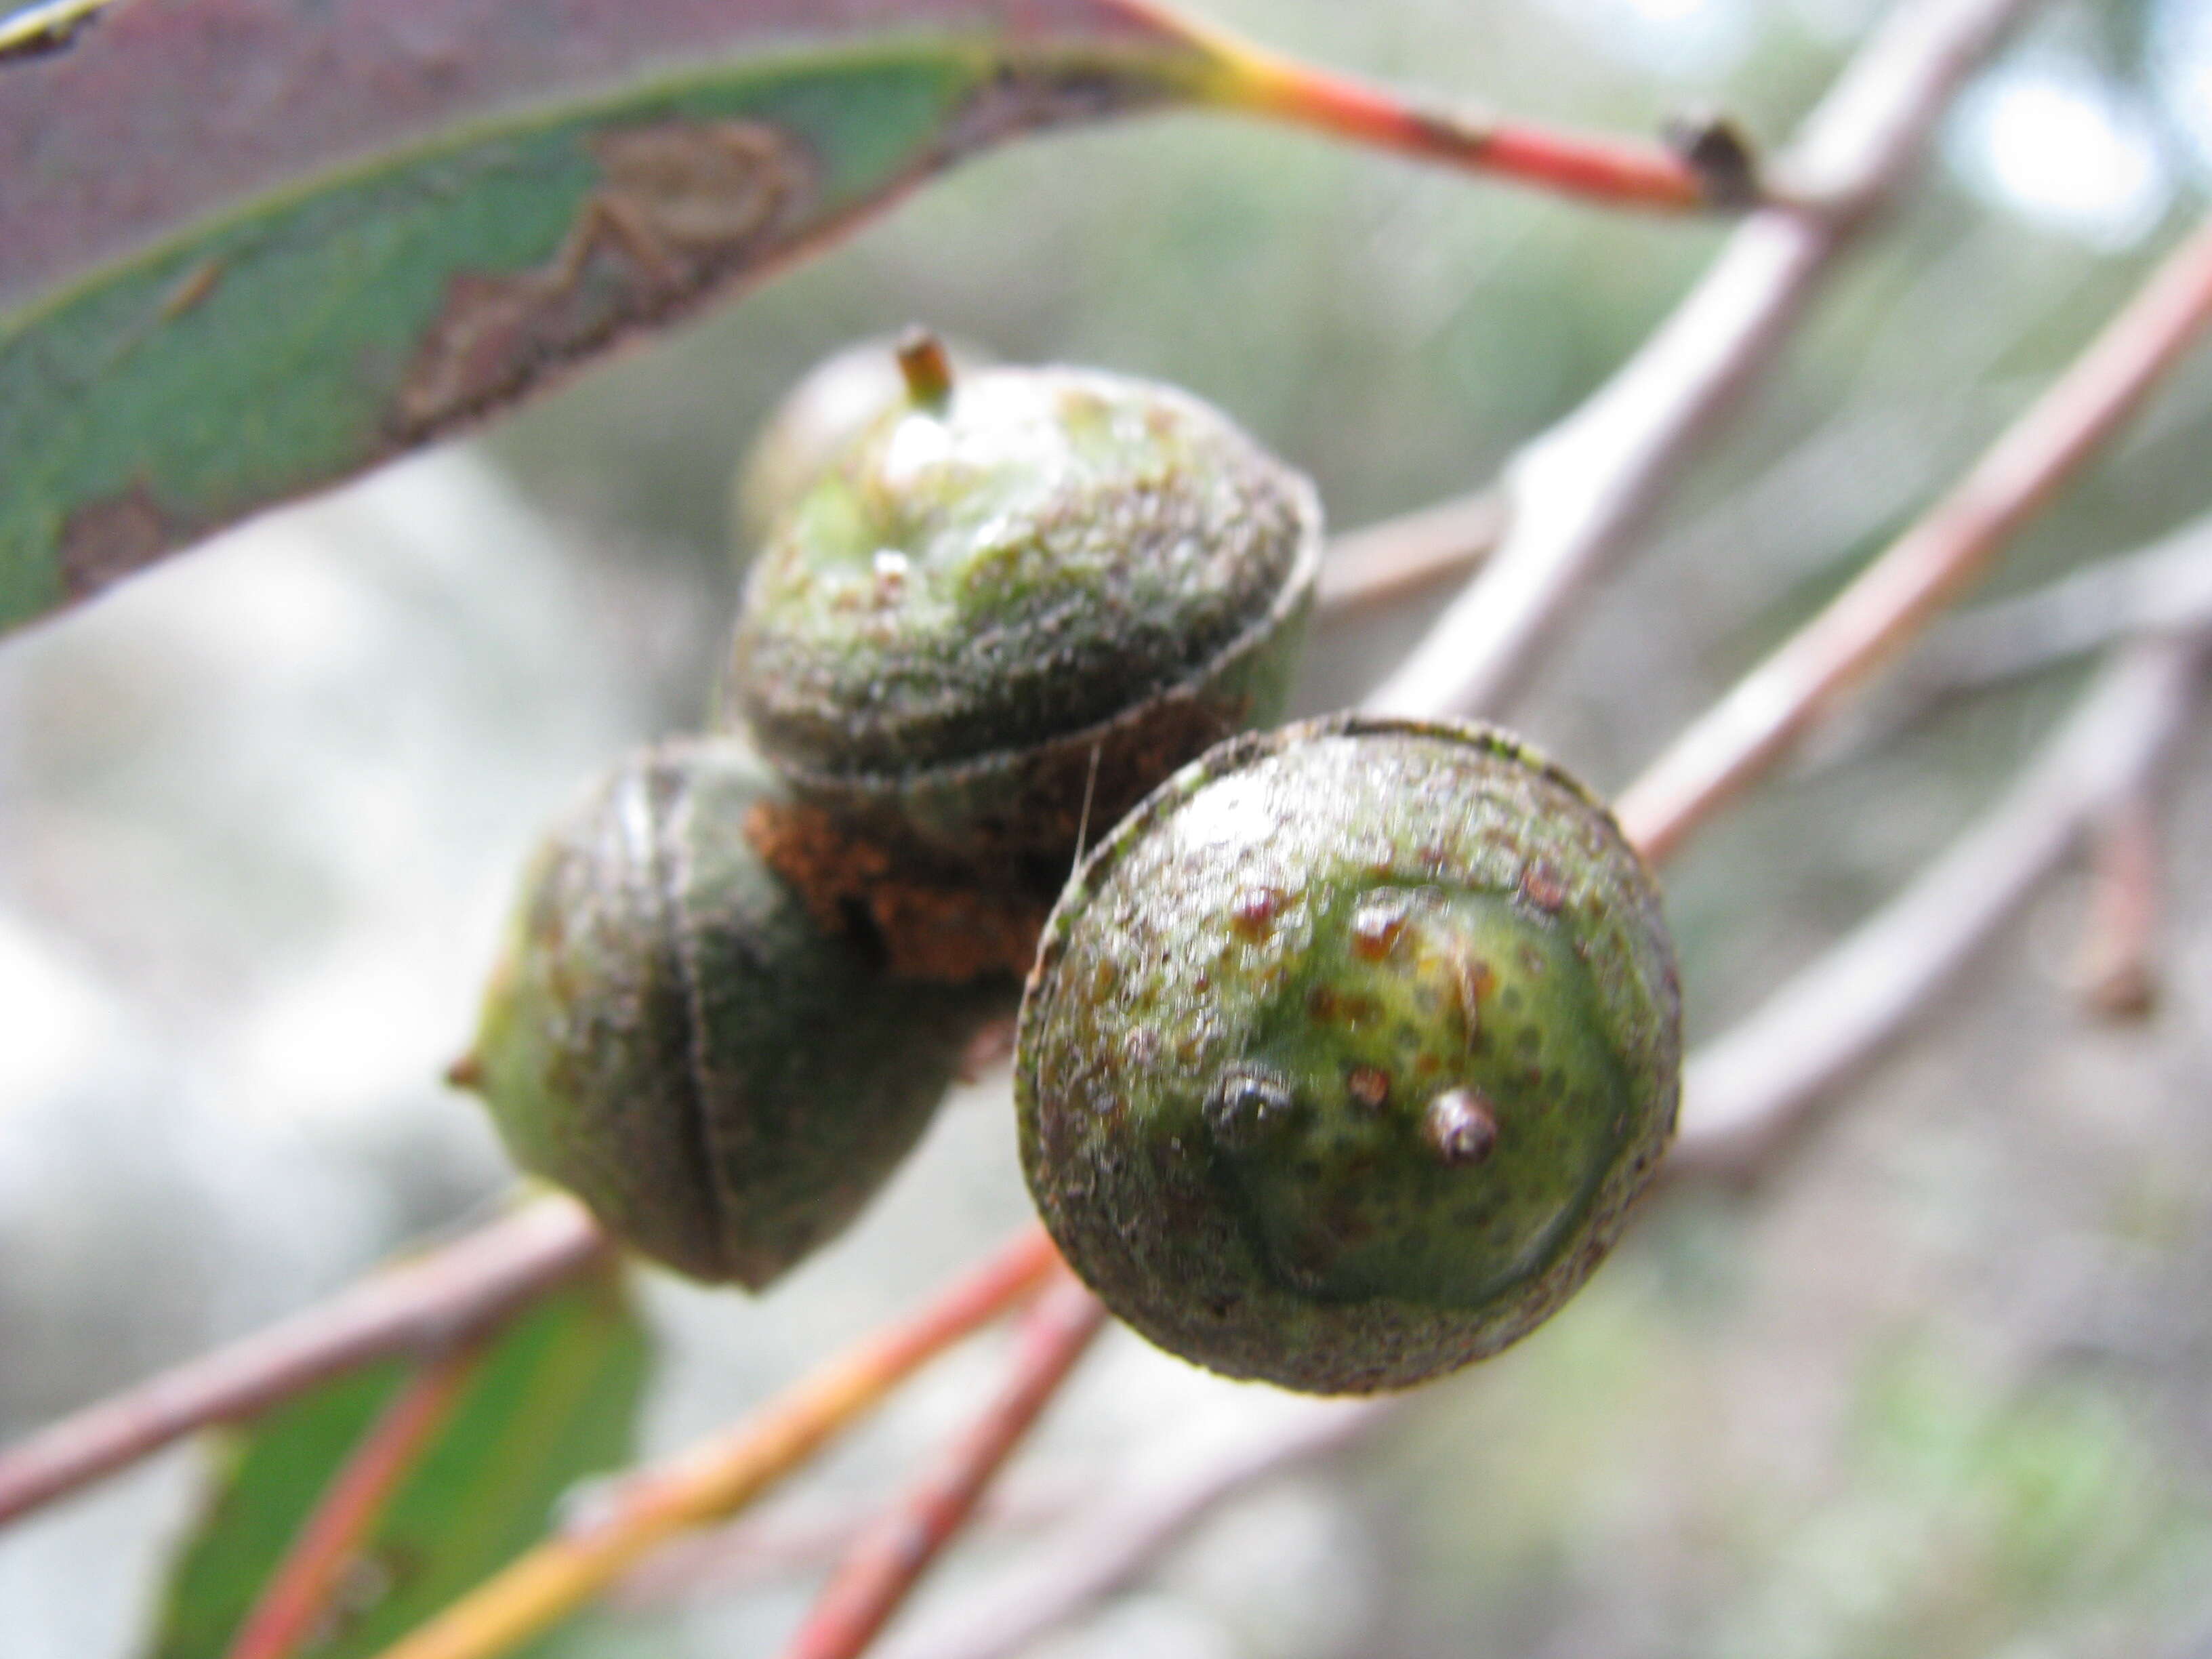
(1743, 1091)
(1579, 492)
(1893, 597)
(1399, 557)
(1622, 172)
(2120, 941)
(298, 1594)
(1126, 1532)
(2166, 587)
(883, 1567)
(720, 1475)
(419, 1306)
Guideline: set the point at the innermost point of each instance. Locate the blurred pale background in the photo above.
(1941, 1384)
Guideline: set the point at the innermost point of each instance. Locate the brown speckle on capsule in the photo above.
(1369, 1087)
(1459, 1126)
(1254, 912)
(1543, 886)
(1377, 925)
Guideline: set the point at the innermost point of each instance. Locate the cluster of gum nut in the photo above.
(1341, 1053)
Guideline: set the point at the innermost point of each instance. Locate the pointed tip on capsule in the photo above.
(926, 366)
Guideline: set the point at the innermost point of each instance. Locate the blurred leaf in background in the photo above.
(553, 1399)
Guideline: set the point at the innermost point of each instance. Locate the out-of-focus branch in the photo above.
(1909, 583)
(883, 1567)
(1125, 1535)
(2118, 967)
(298, 1594)
(2163, 587)
(1744, 1091)
(421, 1306)
(720, 1476)
(1400, 557)
(1579, 492)
(1708, 170)
(1895, 596)
(806, 1538)
(1647, 420)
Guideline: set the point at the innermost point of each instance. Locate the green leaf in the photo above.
(554, 1399)
(249, 247)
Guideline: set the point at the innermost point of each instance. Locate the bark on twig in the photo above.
(1743, 1091)
(1893, 599)
(2164, 588)
(2118, 965)
(1581, 491)
(1399, 557)
(298, 1594)
(889, 1559)
(419, 1306)
(718, 1477)
(1127, 1535)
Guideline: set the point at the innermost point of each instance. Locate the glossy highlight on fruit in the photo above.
(1346, 1055)
(670, 1035)
(1021, 597)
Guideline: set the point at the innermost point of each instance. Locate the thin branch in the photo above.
(1996, 497)
(1581, 491)
(806, 1537)
(2165, 587)
(419, 1306)
(1129, 1533)
(1743, 1090)
(882, 1569)
(2118, 967)
(720, 1476)
(1928, 566)
(1639, 430)
(1400, 556)
(1708, 170)
(297, 1595)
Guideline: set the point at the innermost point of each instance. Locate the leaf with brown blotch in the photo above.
(249, 247)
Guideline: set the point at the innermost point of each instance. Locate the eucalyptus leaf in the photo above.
(249, 247)
(553, 1400)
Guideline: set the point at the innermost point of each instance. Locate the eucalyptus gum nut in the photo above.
(827, 408)
(670, 1035)
(1029, 589)
(1346, 1053)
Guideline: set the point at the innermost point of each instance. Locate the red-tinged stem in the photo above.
(1383, 562)
(2119, 946)
(1747, 1091)
(1895, 596)
(1619, 172)
(419, 1306)
(1580, 494)
(298, 1594)
(1238, 75)
(889, 1559)
(720, 1475)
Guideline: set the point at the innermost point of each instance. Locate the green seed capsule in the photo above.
(1345, 1054)
(671, 1036)
(820, 417)
(1022, 596)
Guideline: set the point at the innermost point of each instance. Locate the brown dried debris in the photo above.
(939, 929)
